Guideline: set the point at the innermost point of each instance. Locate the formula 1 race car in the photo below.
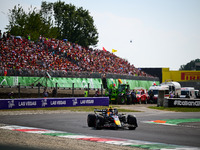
(109, 118)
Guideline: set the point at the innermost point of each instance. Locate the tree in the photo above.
(47, 12)
(17, 19)
(75, 24)
(191, 65)
(69, 22)
(21, 23)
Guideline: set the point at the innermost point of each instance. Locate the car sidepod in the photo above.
(117, 121)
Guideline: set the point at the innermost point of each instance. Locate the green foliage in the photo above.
(46, 12)
(31, 23)
(190, 66)
(75, 109)
(17, 19)
(75, 24)
(72, 23)
(177, 109)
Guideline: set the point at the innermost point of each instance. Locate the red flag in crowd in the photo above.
(104, 49)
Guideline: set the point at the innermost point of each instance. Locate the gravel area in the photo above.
(16, 140)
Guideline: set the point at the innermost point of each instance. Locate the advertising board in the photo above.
(53, 102)
(179, 76)
(173, 102)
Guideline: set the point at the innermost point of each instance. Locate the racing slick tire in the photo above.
(132, 121)
(91, 120)
(99, 122)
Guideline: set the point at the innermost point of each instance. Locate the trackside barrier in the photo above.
(11, 81)
(181, 102)
(53, 102)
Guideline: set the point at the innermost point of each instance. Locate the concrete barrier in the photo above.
(53, 102)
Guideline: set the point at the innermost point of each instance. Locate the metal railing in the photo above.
(71, 74)
(38, 90)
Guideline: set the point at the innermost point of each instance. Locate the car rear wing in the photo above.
(100, 110)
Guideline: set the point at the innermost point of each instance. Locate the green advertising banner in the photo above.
(67, 82)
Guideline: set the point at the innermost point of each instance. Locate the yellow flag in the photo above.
(114, 50)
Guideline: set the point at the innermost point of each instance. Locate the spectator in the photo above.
(171, 95)
(11, 95)
(4, 36)
(58, 55)
(29, 37)
(151, 95)
(97, 93)
(104, 81)
(45, 93)
(0, 35)
(5, 72)
(187, 95)
(133, 97)
(54, 92)
(128, 96)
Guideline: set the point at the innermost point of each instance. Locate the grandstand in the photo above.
(24, 58)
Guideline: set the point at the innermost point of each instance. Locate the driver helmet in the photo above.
(109, 111)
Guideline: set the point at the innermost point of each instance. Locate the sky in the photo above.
(164, 33)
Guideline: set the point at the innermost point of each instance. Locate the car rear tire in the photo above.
(131, 128)
(99, 122)
(91, 120)
(132, 121)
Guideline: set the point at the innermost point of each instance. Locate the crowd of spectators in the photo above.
(47, 54)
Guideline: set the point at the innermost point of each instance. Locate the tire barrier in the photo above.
(53, 102)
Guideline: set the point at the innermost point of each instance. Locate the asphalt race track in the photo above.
(187, 134)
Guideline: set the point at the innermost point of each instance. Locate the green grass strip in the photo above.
(177, 109)
(59, 134)
(74, 109)
(155, 146)
(178, 121)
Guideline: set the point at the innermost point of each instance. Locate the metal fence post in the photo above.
(101, 90)
(38, 89)
(19, 90)
(88, 89)
(72, 89)
(56, 88)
